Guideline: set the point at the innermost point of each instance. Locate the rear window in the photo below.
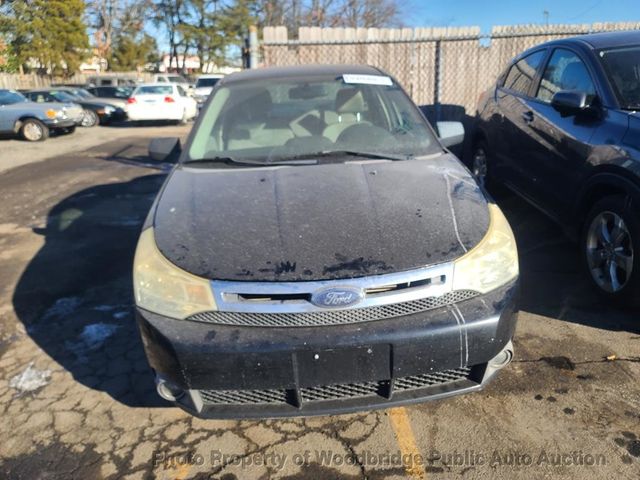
(155, 90)
(207, 82)
(522, 73)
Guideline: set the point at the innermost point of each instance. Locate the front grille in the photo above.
(333, 317)
(333, 392)
(243, 397)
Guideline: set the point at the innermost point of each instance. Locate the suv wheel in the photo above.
(611, 246)
(34, 130)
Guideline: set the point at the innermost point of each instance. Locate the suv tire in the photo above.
(610, 246)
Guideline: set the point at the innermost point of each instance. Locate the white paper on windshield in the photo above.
(367, 79)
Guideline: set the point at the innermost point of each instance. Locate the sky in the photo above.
(486, 13)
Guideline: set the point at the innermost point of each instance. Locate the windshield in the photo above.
(623, 69)
(82, 93)
(206, 82)
(278, 119)
(154, 90)
(63, 96)
(9, 97)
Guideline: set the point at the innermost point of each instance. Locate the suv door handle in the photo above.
(527, 116)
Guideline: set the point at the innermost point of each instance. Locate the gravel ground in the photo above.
(77, 398)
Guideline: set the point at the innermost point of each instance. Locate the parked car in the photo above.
(93, 111)
(86, 96)
(317, 249)
(561, 128)
(112, 80)
(113, 94)
(161, 101)
(32, 121)
(204, 86)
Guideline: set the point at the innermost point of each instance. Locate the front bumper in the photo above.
(258, 372)
(59, 123)
(119, 115)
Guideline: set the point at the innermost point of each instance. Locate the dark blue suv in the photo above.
(561, 127)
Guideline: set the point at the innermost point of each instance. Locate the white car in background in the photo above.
(204, 86)
(161, 101)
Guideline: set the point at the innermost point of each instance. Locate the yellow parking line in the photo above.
(406, 441)
(183, 471)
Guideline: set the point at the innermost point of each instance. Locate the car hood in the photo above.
(320, 222)
(33, 106)
(114, 102)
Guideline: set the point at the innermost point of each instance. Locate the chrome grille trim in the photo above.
(333, 317)
(333, 392)
(229, 295)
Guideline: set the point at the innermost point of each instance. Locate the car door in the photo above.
(514, 142)
(562, 144)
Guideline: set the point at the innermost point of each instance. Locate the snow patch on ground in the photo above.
(30, 379)
(91, 338)
(62, 307)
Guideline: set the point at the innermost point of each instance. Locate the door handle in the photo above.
(527, 116)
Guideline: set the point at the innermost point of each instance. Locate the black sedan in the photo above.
(317, 249)
(561, 128)
(95, 111)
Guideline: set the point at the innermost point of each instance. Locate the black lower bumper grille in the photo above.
(333, 392)
(333, 317)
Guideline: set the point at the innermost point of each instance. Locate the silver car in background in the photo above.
(32, 121)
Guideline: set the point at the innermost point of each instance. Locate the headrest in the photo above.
(349, 100)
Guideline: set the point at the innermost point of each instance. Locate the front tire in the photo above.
(33, 130)
(611, 249)
(89, 119)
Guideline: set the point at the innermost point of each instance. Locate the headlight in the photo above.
(493, 262)
(163, 288)
(50, 113)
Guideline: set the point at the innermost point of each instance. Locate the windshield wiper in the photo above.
(253, 163)
(347, 153)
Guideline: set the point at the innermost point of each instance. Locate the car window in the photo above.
(206, 82)
(9, 97)
(283, 119)
(522, 73)
(623, 69)
(565, 71)
(155, 90)
(182, 91)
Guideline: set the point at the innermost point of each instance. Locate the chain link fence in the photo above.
(443, 69)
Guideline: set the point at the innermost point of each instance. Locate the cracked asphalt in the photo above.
(77, 399)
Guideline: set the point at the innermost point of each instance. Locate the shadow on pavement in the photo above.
(553, 282)
(75, 296)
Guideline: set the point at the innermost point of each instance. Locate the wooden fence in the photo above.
(28, 81)
(437, 66)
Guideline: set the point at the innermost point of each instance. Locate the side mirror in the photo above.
(164, 149)
(569, 103)
(451, 133)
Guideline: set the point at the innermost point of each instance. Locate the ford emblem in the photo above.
(335, 297)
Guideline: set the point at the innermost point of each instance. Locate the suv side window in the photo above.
(522, 73)
(565, 71)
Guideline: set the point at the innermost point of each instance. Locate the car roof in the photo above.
(157, 84)
(269, 73)
(597, 41)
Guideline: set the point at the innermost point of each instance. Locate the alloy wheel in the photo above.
(609, 250)
(33, 132)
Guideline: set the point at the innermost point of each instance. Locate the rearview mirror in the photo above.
(165, 149)
(569, 103)
(451, 133)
